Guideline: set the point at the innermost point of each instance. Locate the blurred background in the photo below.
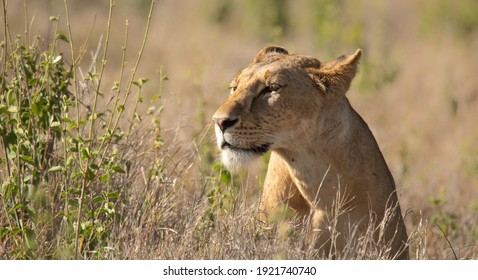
(417, 87)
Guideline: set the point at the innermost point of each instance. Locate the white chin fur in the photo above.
(236, 161)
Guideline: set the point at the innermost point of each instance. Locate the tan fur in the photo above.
(325, 163)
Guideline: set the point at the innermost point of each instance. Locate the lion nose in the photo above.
(225, 123)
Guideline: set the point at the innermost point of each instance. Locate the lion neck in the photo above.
(339, 152)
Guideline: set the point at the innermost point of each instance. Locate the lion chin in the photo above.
(235, 161)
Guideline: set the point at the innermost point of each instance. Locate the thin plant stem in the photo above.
(120, 82)
(135, 68)
(27, 33)
(83, 47)
(90, 134)
(128, 134)
(102, 69)
(130, 83)
(4, 57)
(73, 66)
(448, 241)
(75, 87)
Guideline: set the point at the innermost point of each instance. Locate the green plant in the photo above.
(221, 188)
(35, 98)
(267, 19)
(66, 163)
(441, 15)
(446, 221)
(337, 25)
(334, 27)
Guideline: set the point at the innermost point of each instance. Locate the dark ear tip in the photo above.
(274, 49)
(268, 51)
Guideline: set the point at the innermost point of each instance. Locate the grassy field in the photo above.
(106, 141)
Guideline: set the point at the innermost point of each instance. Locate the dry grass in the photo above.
(163, 219)
(177, 203)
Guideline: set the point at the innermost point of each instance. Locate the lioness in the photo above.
(325, 164)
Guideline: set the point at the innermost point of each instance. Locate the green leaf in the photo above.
(73, 202)
(62, 37)
(3, 109)
(54, 18)
(85, 152)
(32, 82)
(13, 109)
(70, 161)
(113, 195)
(99, 199)
(56, 126)
(118, 169)
(140, 82)
(55, 168)
(225, 177)
(72, 126)
(26, 115)
(16, 207)
(28, 159)
(156, 96)
(66, 119)
(3, 232)
(10, 231)
(104, 178)
(36, 109)
(27, 179)
(115, 86)
(90, 175)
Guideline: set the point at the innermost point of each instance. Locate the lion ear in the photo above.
(335, 77)
(267, 51)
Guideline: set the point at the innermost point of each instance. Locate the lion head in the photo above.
(278, 101)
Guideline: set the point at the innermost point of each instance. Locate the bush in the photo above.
(66, 161)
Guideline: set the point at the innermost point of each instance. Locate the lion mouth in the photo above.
(262, 149)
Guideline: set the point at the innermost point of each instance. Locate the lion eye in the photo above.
(232, 89)
(265, 91)
(269, 89)
(274, 87)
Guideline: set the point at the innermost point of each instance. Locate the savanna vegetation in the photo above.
(107, 148)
